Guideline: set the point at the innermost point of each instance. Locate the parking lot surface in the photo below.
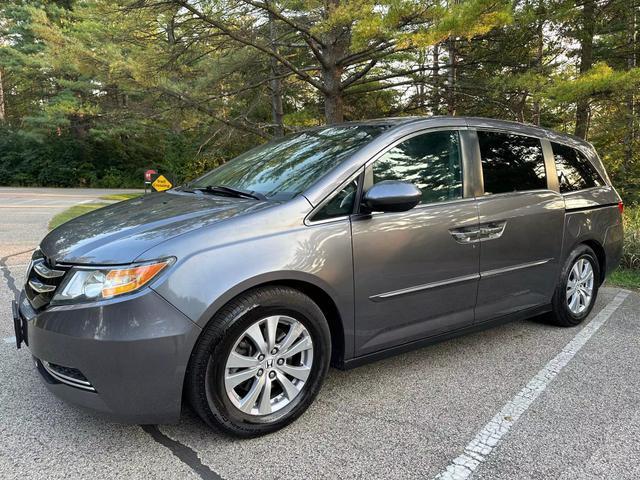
(571, 397)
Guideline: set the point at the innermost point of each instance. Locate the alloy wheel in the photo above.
(268, 365)
(580, 286)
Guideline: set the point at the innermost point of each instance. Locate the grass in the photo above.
(118, 197)
(625, 278)
(628, 274)
(74, 212)
(631, 253)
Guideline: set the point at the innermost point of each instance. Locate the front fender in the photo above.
(320, 255)
(283, 276)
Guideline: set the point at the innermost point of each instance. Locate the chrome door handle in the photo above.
(466, 235)
(491, 231)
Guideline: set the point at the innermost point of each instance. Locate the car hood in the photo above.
(120, 233)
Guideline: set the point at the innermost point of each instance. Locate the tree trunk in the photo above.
(171, 31)
(435, 95)
(521, 106)
(333, 101)
(451, 80)
(337, 42)
(275, 84)
(421, 79)
(539, 60)
(586, 61)
(277, 110)
(2, 108)
(630, 134)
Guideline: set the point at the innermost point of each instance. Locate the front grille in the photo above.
(67, 375)
(42, 281)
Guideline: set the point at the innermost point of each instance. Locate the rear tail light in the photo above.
(621, 206)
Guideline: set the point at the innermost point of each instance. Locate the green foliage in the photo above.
(631, 252)
(63, 160)
(625, 278)
(601, 81)
(97, 91)
(119, 197)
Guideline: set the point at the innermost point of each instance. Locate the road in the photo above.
(541, 402)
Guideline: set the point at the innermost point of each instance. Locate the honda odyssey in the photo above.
(335, 245)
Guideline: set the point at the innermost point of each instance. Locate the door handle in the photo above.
(465, 234)
(487, 231)
(493, 230)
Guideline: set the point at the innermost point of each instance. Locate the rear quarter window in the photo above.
(511, 162)
(575, 171)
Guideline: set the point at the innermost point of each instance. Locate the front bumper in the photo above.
(132, 351)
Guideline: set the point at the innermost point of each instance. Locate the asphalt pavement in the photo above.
(522, 400)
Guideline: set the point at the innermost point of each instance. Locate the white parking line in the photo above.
(9, 340)
(491, 434)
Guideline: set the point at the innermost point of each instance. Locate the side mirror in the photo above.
(392, 196)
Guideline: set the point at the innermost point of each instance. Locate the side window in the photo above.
(575, 171)
(340, 205)
(430, 161)
(511, 162)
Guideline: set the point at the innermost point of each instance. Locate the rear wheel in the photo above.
(577, 289)
(260, 362)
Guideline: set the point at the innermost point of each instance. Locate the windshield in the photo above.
(282, 168)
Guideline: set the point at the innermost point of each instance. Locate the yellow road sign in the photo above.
(161, 183)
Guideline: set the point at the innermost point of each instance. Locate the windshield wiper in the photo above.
(230, 191)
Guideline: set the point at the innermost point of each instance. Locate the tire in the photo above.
(562, 314)
(233, 329)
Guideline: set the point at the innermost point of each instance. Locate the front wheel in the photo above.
(260, 362)
(577, 289)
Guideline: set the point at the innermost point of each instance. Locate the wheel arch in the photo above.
(330, 310)
(309, 286)
(598, 249)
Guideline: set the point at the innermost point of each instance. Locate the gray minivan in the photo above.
(340, 244)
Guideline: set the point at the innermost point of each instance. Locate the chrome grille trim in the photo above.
(43, 278)
(41, 287)
(67, 380)
(46, 272)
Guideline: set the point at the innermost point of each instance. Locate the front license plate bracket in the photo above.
(19, 325)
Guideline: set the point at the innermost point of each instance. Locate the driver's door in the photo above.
(416, 272)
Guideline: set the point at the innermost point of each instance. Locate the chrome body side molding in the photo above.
(419, 288)
(499, 271)
(467, 278)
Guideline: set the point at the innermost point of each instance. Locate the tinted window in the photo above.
(340, 205)
(575, 171)
(430, 161)
(283, 168)
(511, 162)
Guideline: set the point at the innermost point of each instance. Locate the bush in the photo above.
(65, 160)
(631, 250)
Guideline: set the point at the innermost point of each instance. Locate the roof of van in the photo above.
(477, 121)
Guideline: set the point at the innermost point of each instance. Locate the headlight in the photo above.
(84, 284)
